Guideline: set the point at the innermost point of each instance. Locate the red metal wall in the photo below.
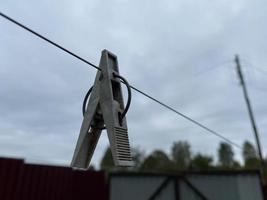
(19, 181)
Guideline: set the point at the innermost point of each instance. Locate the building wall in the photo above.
(231, 187)
(188, 186)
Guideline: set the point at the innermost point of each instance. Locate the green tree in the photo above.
(138, 158)
(201, 162)
(236, 165)
(108, 164)
(158, 161)
(251, 159)
(225, 155)
(107, 160)
(181, 155)
(249, 151)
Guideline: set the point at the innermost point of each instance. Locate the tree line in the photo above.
(181, 158)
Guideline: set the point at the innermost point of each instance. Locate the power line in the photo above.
(260, 70)
(134, 88)
(254, 67)
(248, 65)
(211, 68)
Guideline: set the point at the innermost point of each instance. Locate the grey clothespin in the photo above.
(105, 110)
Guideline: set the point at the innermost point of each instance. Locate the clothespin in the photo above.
(105, 110)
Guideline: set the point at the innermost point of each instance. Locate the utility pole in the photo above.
(250, 112)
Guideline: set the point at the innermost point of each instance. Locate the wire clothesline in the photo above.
(133, 87)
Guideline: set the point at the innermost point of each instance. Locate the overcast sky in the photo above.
(180, 52)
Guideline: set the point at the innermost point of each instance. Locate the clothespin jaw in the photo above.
(112, 106)
(105, 107)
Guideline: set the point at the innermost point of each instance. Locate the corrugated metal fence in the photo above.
(20, 181)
